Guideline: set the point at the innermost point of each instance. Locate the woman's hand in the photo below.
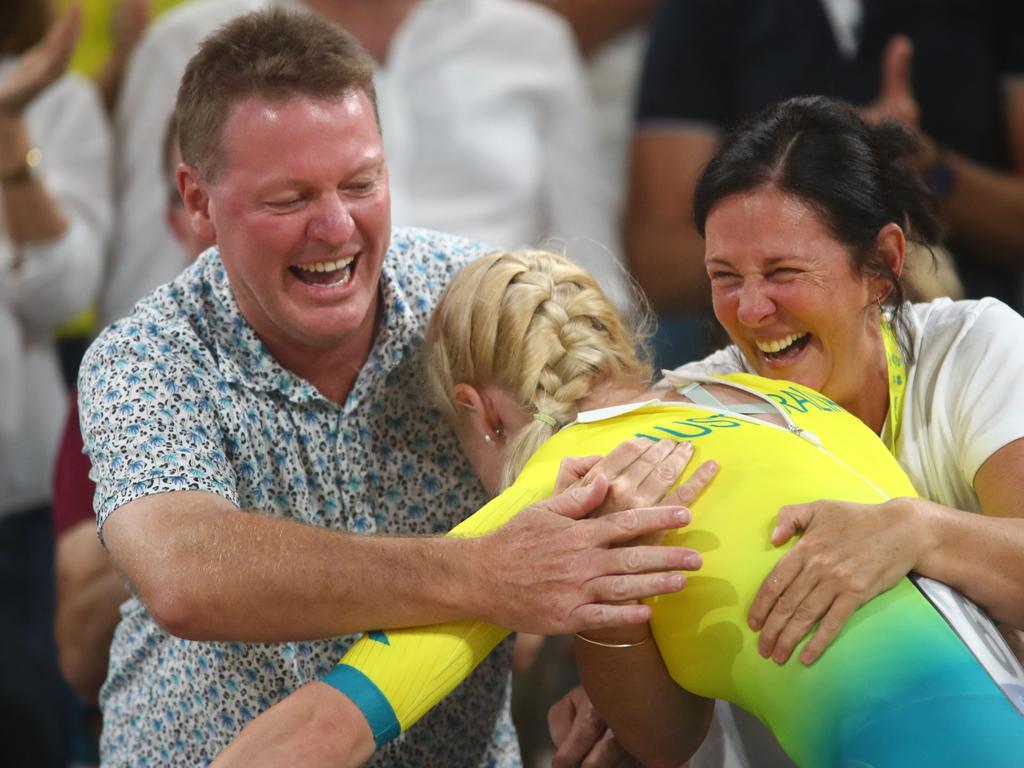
(640, 473)
(582, 737)
(848, 553)
(41, 64)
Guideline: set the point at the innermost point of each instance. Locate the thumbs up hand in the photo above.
(895, 99)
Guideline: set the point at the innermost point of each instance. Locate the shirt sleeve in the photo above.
(148, 400)
(579, 201)
(686, 73)
(60, 277)
(144, 253)
(1010, 38)
(396, 677)
(724, 361)
(986, 367)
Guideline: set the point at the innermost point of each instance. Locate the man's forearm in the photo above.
(986, 208)
(239, 575)
(208, 571)
(668, 263)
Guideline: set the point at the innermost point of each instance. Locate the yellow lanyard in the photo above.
(897, 369)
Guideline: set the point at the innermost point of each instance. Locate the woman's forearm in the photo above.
(978, 555)
(654, 719)
(982, 556)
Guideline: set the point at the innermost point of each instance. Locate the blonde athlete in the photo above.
(532, 364)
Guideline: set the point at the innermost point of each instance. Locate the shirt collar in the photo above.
(243, 359)
(610, 412)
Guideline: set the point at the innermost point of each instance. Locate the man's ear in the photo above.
(892, 246)
(194, 191)
(479, 410)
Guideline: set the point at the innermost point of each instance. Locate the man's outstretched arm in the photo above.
(209, 571)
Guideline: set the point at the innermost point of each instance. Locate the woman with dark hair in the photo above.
(55, 215)
(806, 211)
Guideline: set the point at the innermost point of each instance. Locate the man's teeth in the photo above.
(326, 266)
(778, 345)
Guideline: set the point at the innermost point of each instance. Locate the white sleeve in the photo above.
(986, 384)
(721, 362)
(60, 277)
(144, 253)
(580, 206)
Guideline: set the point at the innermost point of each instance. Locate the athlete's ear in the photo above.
(478, 409)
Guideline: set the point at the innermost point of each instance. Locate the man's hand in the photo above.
(558, 574)
(581, 735)
(41, 64)
(848, 554)
(896, 99)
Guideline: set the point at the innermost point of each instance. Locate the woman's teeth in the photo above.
(777, 345)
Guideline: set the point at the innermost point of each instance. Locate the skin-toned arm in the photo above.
(128, 21)
(316, 726)
(209, 571)
(986, 206)
(581, 736)
(849, 553)
(89, 593)
(31, 213)
(665, 253)
(653, 718)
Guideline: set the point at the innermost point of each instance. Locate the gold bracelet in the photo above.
(613, 645)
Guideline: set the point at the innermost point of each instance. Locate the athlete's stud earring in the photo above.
(488, 439)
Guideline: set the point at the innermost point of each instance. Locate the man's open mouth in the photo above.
(325, 273)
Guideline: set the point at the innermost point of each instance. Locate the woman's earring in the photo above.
(488, 439)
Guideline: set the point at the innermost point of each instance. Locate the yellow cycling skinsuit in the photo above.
(897, 687)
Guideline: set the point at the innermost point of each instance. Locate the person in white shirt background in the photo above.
(490, 131)
(55, 199)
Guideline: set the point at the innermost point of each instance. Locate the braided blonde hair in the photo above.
(537, 325)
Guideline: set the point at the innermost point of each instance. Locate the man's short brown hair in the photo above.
(272, 55)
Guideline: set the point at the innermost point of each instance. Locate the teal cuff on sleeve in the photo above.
(371, 702)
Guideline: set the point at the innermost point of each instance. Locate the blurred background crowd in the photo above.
(578, 123)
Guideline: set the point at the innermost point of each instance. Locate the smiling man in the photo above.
(266, 405)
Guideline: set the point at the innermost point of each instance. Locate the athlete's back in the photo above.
(896, 688)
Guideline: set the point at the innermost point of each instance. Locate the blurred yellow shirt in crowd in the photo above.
(95, 42)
